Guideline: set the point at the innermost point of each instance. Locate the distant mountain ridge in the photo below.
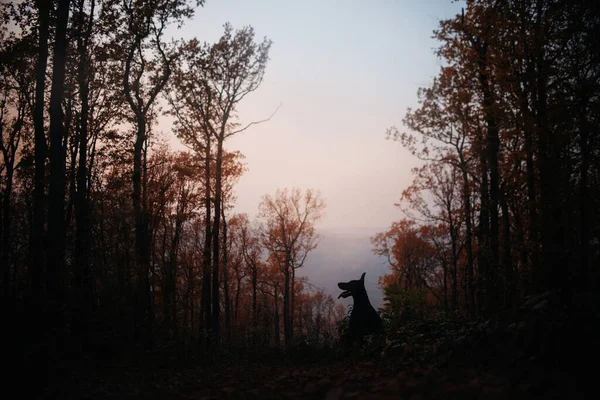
(343, 255)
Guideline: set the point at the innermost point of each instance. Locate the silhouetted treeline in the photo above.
(506, 203)
(111, 240)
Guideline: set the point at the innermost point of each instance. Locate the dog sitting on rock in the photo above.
(364, 320)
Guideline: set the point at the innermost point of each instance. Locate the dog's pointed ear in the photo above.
(362, 278)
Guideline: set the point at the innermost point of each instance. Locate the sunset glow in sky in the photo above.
(343, 71)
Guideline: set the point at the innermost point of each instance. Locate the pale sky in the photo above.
(343, 71)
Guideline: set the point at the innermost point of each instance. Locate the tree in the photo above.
(38, 249)
(288, 232)
(447, 121)
(55, 266)
(138, 30)
(511, 111)
(251, 250)
(410, 255)
(437, 182)
(16, 94)
(85, 26)
(209, 84)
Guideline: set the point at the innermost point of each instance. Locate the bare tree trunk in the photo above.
(483, 237)
(509, 281)
(549, 173)
(468, 240)
(445, 268)
(142, 296)
(166, 277)
(215, 249)
(523, 262)
(71, 148)
(583, 273)
(226, 280)
(492, 146)
(6, 227)
(266, 331)
(82, 267)
(171, 296)
(276, 316)
(292, 295)
(286, 305)
(546, 182)
(55, 267)
(533, 242)
(38, 247)
(205, 306)
(238, 291)
(254, 308)
(453, 240)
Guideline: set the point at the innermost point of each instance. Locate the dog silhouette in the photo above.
(364, 320)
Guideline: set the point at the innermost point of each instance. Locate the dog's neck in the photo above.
(360, 297)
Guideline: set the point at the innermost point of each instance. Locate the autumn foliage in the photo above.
(110, 238)
(505, 203)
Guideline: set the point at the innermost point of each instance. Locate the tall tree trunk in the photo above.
(38, 248)
(226, 279)
(453, 242)
(532, 203)
(238, 291)
(215, 249)
(56, 195)
(166, 277)
(521, 287)
(82, 266)
(286, 304)
(483, 235)
(72, 172)
(143, 292)
(266, 337)
(547, 171)
(190, 301)
(205, 306)
(6, 228)
(171, 299)
(492, 146)
(276, 317)
(509, 278)
(445, 270)
(583, 273)
(142, 253)
(254, 308)
(468, 239)
(292, 300)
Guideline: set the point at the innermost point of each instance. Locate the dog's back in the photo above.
(364, 320)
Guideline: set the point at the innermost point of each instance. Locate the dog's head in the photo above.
(352, 287)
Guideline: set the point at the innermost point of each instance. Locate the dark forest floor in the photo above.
(343, 379)
(542, 354)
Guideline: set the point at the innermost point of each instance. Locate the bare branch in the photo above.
(255, 122)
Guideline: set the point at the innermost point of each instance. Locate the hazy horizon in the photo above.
(346, 256)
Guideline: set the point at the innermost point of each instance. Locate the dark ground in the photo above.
(360, 379)
(542, 354)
